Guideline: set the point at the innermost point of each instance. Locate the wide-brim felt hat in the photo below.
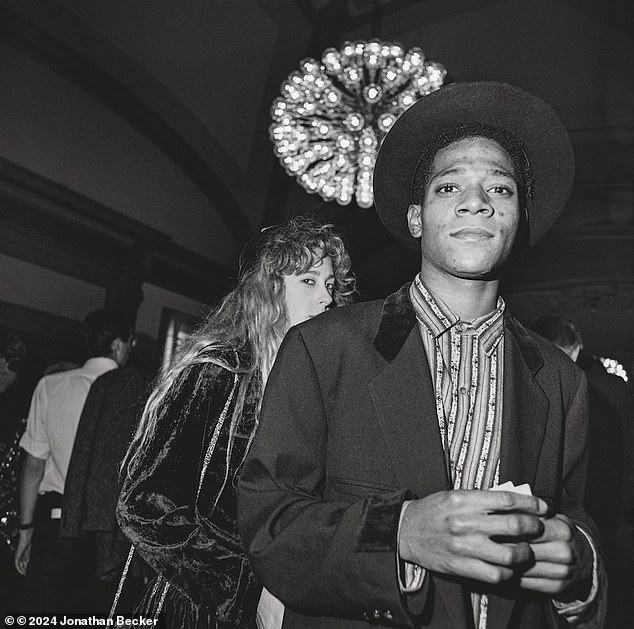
(546, 144)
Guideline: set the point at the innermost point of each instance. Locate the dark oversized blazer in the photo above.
(92, 488)
(348, 431)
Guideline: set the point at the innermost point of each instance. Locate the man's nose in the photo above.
(474, 201)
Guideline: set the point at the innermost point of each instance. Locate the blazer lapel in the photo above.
(403, 398)
(523, 425)
(525, 407)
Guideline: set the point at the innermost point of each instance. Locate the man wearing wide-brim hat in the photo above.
(420, 461)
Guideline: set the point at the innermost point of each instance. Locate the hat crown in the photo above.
(529, 119)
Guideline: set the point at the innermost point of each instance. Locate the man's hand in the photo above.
(23, 551)
(563, 561)
(481, 535)
(31, 475)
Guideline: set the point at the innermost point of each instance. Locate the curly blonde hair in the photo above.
(251, 320)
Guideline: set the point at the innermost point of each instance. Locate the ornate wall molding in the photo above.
(48, 225)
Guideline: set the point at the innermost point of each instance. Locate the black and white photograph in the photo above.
(317, 314)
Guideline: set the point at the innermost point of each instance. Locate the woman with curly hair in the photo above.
(178, 501)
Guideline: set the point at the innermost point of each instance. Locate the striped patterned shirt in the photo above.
(467, 366)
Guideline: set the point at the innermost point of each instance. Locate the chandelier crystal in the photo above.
(331, 116)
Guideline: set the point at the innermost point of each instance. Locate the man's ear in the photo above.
(414, 220)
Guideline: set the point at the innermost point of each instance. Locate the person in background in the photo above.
(13, 403)
(108, 420)
(15, 392)
(53, 566)
(178, 500)
(420, 460)
(609, 494)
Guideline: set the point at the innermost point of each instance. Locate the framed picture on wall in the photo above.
(176, 327)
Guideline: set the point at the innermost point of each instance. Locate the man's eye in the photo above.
(308, 280)
(330, 288)
(447, 188)
(501, 190)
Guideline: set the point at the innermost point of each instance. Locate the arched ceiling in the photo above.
(196, 80)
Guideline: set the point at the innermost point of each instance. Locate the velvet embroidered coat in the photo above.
(186, 531)
(348, 430)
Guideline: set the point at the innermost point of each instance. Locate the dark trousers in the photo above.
(59, 569)
(12, 583)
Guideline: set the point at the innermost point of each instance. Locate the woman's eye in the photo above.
(330, 288)
(309, 281)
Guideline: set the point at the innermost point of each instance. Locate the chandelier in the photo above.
(332, 115)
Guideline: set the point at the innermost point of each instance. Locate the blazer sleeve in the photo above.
(575, 462)
(77, 475)
(190, 536)
(589, 614)
(624, 402)
(318, 552)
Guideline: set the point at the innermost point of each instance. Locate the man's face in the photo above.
(470, 214)
(121, 350)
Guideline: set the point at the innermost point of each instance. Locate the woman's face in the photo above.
(309, 293)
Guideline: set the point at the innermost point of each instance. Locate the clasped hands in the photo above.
(493, 537)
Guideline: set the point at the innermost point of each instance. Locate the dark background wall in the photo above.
(135, 159)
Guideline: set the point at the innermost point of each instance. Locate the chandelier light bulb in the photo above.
(372, 93)
(331, 115)
(354, 122)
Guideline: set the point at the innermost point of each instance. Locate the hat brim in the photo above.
(546, 144)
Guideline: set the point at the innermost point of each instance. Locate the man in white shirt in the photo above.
(48, 562)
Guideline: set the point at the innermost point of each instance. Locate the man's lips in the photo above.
(472, 233)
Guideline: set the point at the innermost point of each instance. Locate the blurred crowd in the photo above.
(61, 547)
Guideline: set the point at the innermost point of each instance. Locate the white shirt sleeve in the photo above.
(411, 576)
(573, 609)
(35, 438)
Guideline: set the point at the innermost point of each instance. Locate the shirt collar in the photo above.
(100, 364)
(438, 318)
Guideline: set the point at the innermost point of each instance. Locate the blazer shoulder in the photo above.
(344, 331)
(352, 317)
(554, 359)
(123, 376)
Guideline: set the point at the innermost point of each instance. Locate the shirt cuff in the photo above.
(37, 449)
(574, 609)
(411, 576)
